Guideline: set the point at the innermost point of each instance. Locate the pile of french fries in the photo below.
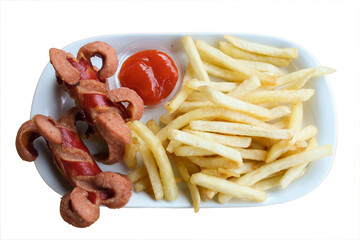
(234, 129)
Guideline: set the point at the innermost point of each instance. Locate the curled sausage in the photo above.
(119, 185)
(29, 131)
(92, 187)
(77, 210)
(60, 60)
(102, 109)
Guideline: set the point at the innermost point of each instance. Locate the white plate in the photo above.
(50, 100)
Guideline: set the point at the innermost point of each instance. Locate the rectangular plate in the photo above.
(50, 100)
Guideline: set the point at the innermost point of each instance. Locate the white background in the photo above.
(330, 30)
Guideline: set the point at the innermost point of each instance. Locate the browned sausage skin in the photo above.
(93, 98)
(92, 187)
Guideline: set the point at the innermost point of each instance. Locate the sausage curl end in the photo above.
(77, 210)
(67, 73)
(120, 185)
(106, 52)
(135, 108)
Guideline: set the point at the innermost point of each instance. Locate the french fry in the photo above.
(223, 73)
(240, 129)
(191, 151)
(203, 194)
(302, 75)
(268, 183)
(283, 146)
(262, 67)
(196, 96)
(172, 145)
(261, 48)
(194, 59)
(210, 112)
(235, 52)
(222, 100)
(282, 123)
(215, 56)
(279, 112)
(210, 193)
(228, 187)
(189, 106)
(219, 86)
(299, 75)
(294, 173)
(246, 167)
(252, 154)
(153, 126)
(166, 173)
(187, 151)
(190, 166)
(214, 162)
(245, 88)
(131, 150)
(165, 119)
(137, 174)
(216, 148)
(153, 172)
(262, 172)
(266, 142)
(142, 184)
(228, 140)
(183, 93)
(285, 96)
(296, 117)
(194, 191)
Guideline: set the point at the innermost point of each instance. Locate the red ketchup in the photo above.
(152, 74)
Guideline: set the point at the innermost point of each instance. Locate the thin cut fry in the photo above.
(240, 129)
(153, 126)
(262, 172)
(181, 96)
(268, 183)
(194, 191)
(286, 96)
(283, 146)
(194, 59)
(235, 52)
(296, 117)
(262, 49)
(228, 187)
(189, 106)
(153, 172)
(215, 56)
(165, 119)
(192, 140)
(228, 140)
(219, 86)
(222, 100)
(172, 145)
(223, 73)
(214, 162)
(295, 172)
(131, 150)
(166, 173)
(137, 174)
(142, 184)
(210, 112)
(245, 88)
